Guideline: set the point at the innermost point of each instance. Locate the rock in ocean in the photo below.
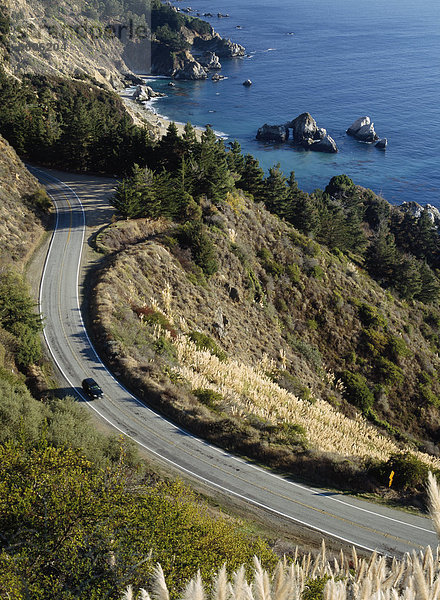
(363, 130)
(307, 134)
(273, 133)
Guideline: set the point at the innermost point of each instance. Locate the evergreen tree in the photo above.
(407, 279)
(430, 285)
(235, 159)
(252, 179)
(189, 138)
(382, 257)
(137, 196)
(213, 178)
(276, 192)
(302, 212)
(171, 149)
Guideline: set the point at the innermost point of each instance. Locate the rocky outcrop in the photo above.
(382, 144)
(416, 210)
(180, 66)
(190, 69)
(247, 83)
(221, 47)
(305, 133)
(363, 130)
(273, 133)
(304, 129)
(327, 144)
(143, 93)
(210, 61)
(308, 135)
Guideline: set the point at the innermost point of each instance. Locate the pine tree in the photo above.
(171, 149)
(382, 258)
(235, 159)
(301, 210)
(430, 285)
(213, 178)
(407, 278)
(276, 192)
(252, 179)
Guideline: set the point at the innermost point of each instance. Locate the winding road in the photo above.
(363, 524)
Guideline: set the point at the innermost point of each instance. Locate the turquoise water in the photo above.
(347, 58)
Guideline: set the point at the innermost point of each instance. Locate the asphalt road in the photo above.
(363, 524)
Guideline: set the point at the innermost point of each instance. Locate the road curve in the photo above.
(365, 525)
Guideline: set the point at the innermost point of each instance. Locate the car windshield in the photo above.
(95, 387)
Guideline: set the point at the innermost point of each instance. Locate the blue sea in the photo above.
(338, 60)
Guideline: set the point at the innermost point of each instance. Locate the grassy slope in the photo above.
(302, 316)
(20, 223)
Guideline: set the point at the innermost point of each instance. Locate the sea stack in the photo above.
(363, 130)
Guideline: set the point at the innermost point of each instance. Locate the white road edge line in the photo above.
(200, 477)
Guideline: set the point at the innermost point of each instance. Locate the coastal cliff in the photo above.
(108, 42)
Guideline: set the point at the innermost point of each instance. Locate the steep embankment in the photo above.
(278, 352)
(23, 207)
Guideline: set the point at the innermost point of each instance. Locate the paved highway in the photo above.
(363, 524)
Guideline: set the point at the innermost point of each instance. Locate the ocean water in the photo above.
(338, 60)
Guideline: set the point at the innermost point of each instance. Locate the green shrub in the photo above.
(317, 272)
(314, 588)
(269, 264)
(396, 348)
(204, 342)
(427, 396)
(293, 272)
(163, 346)
(40, 200)
(28, 350)
(193, 235)
(311, 353)
(357, 391)
(370, 316)
(410, 473)
(312, 324)
(388, 372)
(208, 397)
(374, 341)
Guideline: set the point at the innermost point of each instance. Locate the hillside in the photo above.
(106, 42)
(278, 352)
(23, 206)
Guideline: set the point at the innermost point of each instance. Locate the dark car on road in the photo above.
(91, 388)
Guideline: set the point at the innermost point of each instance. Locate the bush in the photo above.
(370, 316)
(311, 353)
(410, 473)
(40, 199)
(293, 273)
(357, 391)
(396, 349)
(388, 372)
(269, 264)
(193, 235)
(208, 397)
(314, 588)
(204, 342)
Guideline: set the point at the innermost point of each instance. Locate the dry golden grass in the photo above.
(248, 390)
